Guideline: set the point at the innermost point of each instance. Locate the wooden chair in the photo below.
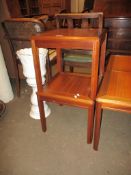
(78, 58)
(73, 89)
(115, 90)
(18, 31)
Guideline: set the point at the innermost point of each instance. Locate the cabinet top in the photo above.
(113, 8)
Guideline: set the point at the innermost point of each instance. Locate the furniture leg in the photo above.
(71, 69)
(98, 117)
(42, 113)
(102, 57)
(90, 124)
(17, 81)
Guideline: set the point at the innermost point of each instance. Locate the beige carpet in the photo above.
(62, 150)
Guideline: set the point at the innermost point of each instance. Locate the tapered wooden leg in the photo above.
(90, 124)
(71, 69)
(17, 79)
(18, 85)
(98, 117)
(42, 114)
(48, 70)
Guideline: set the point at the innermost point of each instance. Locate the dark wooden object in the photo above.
(30, 8)
(52, 7)
(117, 19)
(119, 35)
(114, 93)
(70, 88)
(88, 4)
(113, 8)
(13, 8)
(78, 58)
(2, 108)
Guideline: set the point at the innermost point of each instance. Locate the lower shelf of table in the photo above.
(68, 88)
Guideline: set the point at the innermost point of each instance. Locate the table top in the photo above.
(115, 88)
(69, 34)
(68, 38)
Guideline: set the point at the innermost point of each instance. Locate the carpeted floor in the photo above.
(62, 150)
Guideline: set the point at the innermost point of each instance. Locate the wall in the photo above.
(77, 5)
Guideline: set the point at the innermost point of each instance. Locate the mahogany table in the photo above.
(66, 88)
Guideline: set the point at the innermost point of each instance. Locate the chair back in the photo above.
(18, 31)
(80, 20)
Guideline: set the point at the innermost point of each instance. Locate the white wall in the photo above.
(77, 5)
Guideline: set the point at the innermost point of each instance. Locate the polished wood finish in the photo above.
(60, 89)
(114, 93)
(118, 63)
(69, 88)
(117, 20)
(78, 58)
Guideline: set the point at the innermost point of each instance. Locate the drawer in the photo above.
(119, 33)
(117, 23)
(119, 44)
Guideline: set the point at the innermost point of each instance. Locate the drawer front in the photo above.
(119, 45)
(120, 33)
(117, 23)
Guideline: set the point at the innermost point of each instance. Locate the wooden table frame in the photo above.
(114, 93)
(87, 39)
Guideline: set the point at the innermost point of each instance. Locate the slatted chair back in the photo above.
(19, 31)
(78, 58)
(85, 20)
